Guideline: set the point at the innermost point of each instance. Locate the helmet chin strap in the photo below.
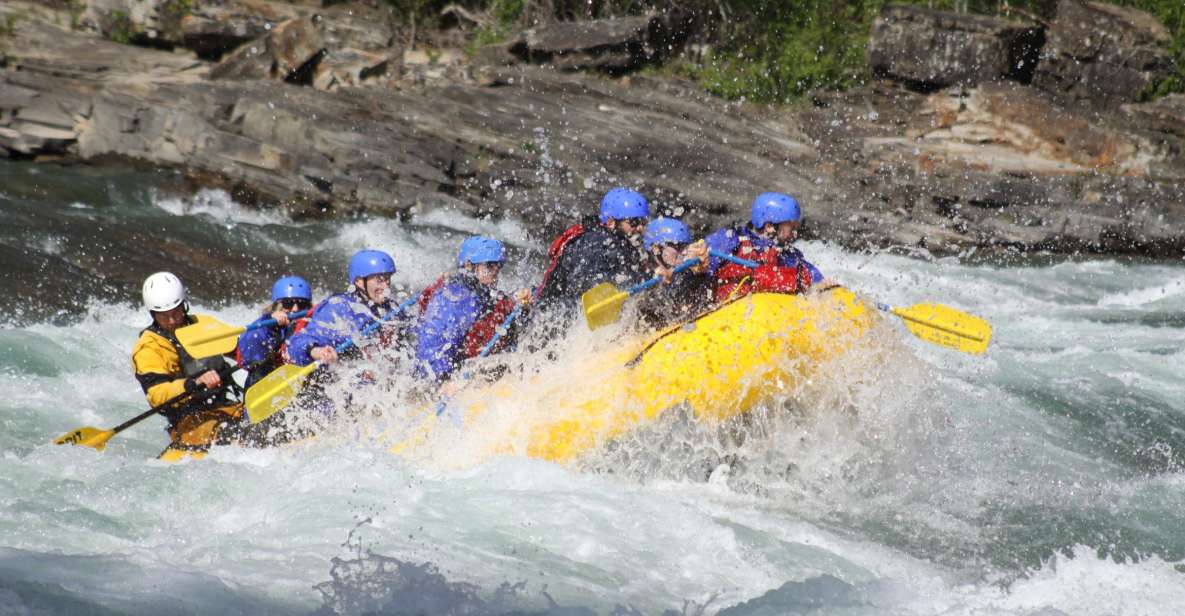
(360, 293)
(364, 296)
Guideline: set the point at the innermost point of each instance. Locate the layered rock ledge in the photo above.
(987, 141)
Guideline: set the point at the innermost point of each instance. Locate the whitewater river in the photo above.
(1043, 478)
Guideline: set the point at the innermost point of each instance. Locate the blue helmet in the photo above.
(370, 262)
(776, 208)
(291, 287)
(663, 230)
(622, 203)
(479, 249)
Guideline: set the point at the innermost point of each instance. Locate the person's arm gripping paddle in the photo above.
(602, 303)
(275, 391)
(210, 336)
(96, 438)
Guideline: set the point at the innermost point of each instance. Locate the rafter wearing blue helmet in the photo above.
(668, 243)
(767, 238)
(345, 315)
(259, 350)
(462, 310)
(601, 248)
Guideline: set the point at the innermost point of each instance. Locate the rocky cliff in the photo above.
(978, 133)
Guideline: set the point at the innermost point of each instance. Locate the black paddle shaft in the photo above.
(187, 398)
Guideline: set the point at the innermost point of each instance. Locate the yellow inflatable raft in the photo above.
(721, 365)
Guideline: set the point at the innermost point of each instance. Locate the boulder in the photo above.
(932, 48)
(251, 61)
(1102, 54)
(289, 52)
(1165, 115)
(1162, 124)
(215, 27)
(610, 45)
(349, 67)
(353, 26)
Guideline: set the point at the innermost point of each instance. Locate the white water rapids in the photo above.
(1043, 478)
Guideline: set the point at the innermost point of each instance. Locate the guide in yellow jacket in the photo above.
(206, 411)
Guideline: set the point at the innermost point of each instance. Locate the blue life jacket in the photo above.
(451, 314)
(259, 349)
(337, 319)
(727, 240)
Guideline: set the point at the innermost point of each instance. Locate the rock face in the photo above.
(1005, 167)
(46, 95)
(995, 168)
(1103, 54)
(937, 49)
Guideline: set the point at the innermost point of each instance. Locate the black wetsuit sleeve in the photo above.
(148, 380)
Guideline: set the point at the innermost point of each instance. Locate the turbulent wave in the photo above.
(1043, 478)
(219, 207)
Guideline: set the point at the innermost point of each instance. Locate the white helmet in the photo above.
(163, 291)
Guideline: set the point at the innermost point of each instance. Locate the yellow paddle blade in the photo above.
(173, 455)
(209, 337)
(945, 326)
(87, 437)
(273, 392)
(602, 304)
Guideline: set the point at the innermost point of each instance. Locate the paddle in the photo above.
(276, 390)
(602, 303)
(934, 323)
(97, 439)
(209, 336)
(502, 329)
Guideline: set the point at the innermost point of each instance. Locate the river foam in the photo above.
(1042, 478)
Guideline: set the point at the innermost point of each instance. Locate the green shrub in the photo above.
(120, 29)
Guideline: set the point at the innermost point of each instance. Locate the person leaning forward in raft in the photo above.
(260, 349)
(206, 411)
(768, 239)
(602, 249)
(351, 316)
(667, 242)
(461, 312)
(343, 316)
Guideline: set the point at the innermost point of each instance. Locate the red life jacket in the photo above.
(734, 280)
(484, 328)
(555, 250)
